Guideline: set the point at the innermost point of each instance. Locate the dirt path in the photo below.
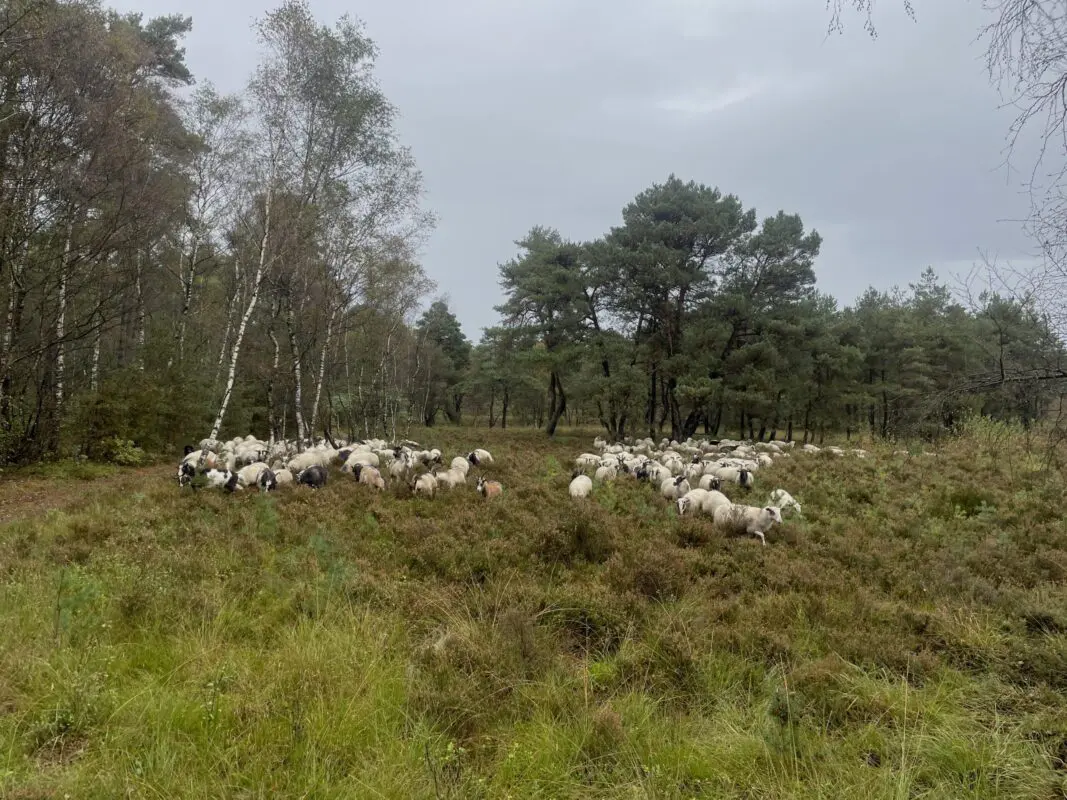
(29, 497)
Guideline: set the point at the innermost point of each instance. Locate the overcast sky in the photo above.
(558, 112)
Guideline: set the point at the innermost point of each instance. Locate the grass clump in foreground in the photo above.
(906, 638)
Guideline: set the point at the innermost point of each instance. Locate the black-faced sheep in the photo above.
(314, 476)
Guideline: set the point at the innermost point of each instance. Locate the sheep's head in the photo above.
(473, 458)
(357, 470)
(774, 513)
(683, 505)
(679, 480)
(187, 450)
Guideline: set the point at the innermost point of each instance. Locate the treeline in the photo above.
(175, 262)
(694, 316)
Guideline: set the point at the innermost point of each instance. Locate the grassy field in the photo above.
(906, 638)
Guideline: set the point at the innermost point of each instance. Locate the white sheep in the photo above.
(704, 501)
(309, 458)
(364, 457)
(480, 457)
(283, 477)
(424, 484)
(710, 482)
(784, 500)
(748, 519)
(451, 478)
(461, 463)
(673, 488)
(587, 461)
(369, 476)
(400, 466)
(742, 477)
(581, 485)
(604, 474)
(249, 476)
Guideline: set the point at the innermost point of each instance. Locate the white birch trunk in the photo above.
(140, 312)
(322, 371)
(298, 414)
(256, 283)
(231, 312)
(61, 321)
(188, 277)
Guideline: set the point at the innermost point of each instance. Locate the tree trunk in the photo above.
(139, 293)
(272, 408)
(187, 279)
(322, 371)
(298, 395)
(650, 403)
(61, 324)
(256, 283)
(232, 305)
(559, 403)
(504, 409)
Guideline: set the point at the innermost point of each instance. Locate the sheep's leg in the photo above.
(762, 538)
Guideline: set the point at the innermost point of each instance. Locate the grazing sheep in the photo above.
(315, 457)
(193, 457)
(249, 476)
(424, 484)
(489, 489)
(691, 500)
(605, 474)
(369, 476)
(314, 476)
(364, 457)
(222, 479)
(784, 500)
(461, 463)
(710, 482)
(581, 485)
(587, 461)
(480, 457)
(748, 519)
(704, 501)
(451, 478)
(673, 488)
(267, 481)
(742, 477)
(283, 477)
(400, 466)
(186, 473)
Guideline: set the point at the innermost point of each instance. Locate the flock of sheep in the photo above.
(691, 474)
(243, 462)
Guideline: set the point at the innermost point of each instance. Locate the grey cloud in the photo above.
(524, 113)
